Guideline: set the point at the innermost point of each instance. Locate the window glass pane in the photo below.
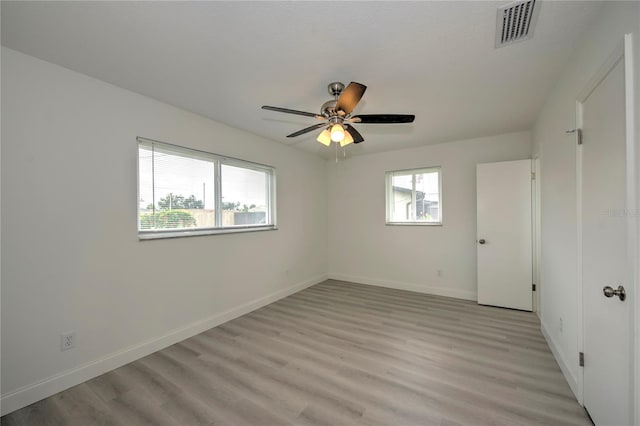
(176, 191)
(401, 196)
(413, 196)
(186, 192)
(245, 196)
(427, 197)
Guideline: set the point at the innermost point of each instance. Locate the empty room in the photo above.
(320, 213)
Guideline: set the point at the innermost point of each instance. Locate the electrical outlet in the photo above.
(67, 340)
(439, 273)
(560, 325)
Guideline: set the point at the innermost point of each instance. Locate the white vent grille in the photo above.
(516, 21)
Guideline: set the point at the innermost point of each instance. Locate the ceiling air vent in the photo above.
(516, 21)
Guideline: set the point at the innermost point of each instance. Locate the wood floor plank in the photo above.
(336, 353)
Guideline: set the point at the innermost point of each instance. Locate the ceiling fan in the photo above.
(336, 116)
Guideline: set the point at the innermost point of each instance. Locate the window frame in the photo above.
(218, 161)
(389, 188)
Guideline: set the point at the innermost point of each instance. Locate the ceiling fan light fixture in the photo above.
(347, 139)
(325, 137)
(337, 133)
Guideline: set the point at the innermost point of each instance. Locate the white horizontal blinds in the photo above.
(145, 176)
(245, 195)
(181, 193)
(187, 192)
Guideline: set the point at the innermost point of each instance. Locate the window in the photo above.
(413, 197)
(184, 192)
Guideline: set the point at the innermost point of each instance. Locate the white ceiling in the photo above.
(224, 60)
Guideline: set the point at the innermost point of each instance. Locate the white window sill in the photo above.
(414, 223)
(155, 235)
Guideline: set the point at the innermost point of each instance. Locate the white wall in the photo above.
(363, 249)
(68, 142)
(557, 150)
(71, 257)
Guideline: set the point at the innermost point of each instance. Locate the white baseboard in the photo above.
(418, 288)
(29, 394)
(562, 362)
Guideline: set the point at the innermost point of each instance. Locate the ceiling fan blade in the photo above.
(306, 130)
(293, 111)
(350, 97)
(383, 118)
(357, 137)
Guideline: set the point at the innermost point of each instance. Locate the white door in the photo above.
(504, 234)
(607, 334)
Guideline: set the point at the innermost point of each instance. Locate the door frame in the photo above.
(622, 52)
(536, 228)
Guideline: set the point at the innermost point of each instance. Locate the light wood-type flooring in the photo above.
(336, 353)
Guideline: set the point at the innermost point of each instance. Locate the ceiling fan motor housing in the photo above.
(335, 88)
(328, 108)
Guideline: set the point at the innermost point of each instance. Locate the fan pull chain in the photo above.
(336, 152)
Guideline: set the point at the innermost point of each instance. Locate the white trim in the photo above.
(198, 232)
(418, 288)
(632, 229)
(34, 392)
(579, 295)
(536, 224)
(574, 382)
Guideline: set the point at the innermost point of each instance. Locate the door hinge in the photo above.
(581, 359)
(533, 176)
(533, 287)
(578, 134)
